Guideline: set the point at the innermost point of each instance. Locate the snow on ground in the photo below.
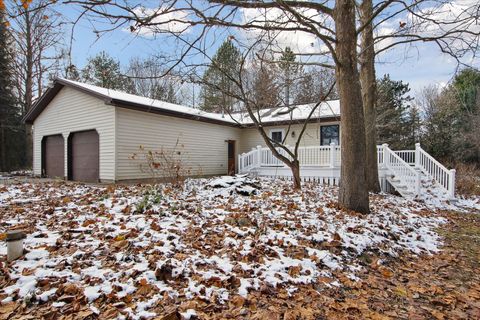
(434, 197)
(139, 245)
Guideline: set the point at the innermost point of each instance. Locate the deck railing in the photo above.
(401, 170)
(311, 156)
(443, 176)
(404, 164)
(406, 155)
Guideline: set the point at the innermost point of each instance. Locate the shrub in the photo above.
(166, 164)
(468, 179)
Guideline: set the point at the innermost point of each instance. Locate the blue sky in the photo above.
(419, 66)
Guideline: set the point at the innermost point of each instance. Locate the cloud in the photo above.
(297, 40)
(438, 20)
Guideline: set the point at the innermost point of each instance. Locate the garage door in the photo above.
(53, 156)
(84, 156)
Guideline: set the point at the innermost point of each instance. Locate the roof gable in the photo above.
(329, 109)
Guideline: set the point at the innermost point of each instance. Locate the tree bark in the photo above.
(28, 99)
(297, 181)
(353, 194)
(3, 165)
(368, 84)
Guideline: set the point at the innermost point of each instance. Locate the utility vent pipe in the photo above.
(14, 244)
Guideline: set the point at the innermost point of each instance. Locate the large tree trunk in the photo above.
(353, 193)
(3, 164)
(368, 83)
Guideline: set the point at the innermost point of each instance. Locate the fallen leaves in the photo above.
(278, 254)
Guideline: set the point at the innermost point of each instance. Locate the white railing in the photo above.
(402, 171)
(380, 157)
(312, 156)
(403, 164)
(443, 176)
(406, 155)
(247, 161)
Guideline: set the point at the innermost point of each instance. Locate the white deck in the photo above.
(404, 170)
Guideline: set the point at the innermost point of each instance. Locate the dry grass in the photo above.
(468, 179)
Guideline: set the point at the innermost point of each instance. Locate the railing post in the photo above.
(386, 158)
(259, 156)
(240, 163)
(417, 183)
(451, 184)
(332, 155)
(417, 155)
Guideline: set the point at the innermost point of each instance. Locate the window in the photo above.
(329, 134)
(277, 135)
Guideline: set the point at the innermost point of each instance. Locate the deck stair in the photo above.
(410, 172)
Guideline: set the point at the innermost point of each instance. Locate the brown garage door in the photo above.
(84, 156)
(53, 157)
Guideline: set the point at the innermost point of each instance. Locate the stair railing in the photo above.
(437, 171)
(406, 174)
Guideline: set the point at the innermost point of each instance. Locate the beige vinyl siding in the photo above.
(250, 138)
(70, 111)
(202, 145)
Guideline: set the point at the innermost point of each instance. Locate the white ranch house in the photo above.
(88, 133)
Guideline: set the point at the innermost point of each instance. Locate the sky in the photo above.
(419, 66)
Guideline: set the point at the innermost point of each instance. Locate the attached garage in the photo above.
(53, 156)
(83, 156)
(104, 129)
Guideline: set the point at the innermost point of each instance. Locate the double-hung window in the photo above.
(277, 135)
(329, 134)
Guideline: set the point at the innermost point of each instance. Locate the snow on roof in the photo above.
(326, 109)
(153, 103)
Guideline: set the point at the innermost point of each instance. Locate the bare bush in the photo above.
(166, 164)
(468, 179)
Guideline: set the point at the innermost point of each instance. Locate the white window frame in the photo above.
(270, 133)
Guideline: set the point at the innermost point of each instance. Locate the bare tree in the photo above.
(148, 80)
(36, 31)
(368, 82)
(334, 27)
(451, 26)
(244, 88)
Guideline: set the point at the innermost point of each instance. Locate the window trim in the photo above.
(271, 131)
(329, 125)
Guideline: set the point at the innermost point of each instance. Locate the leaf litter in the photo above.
(229, 247)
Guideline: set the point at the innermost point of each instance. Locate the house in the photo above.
(87, 133)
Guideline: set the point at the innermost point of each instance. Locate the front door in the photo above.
(231, 157)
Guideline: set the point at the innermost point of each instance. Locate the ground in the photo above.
(235, 248)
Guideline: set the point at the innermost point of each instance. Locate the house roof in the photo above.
(329, 109)
(326, 110)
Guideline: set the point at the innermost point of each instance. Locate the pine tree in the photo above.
(12, 141)
(290, 70)
(218, 83)
(104, 71)
(393, 103)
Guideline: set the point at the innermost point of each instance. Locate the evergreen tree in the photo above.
(452, 121)
(290, 70)
(218, 83)
(12, 137)
(104, 71)
(393, 105)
